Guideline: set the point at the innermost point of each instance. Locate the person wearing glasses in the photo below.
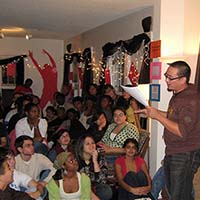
(68, 183)
(181, 131)
(116, 134)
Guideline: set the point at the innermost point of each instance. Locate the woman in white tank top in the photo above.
(72, 185)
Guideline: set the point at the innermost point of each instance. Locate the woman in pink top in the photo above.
(132, 173)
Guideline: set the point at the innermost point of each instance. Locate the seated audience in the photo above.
(130, 105)
(78, 104)
(61, 140)
(88, 112)
(59, 100)
(33, 126)
(68, 92)
(11, 107)
(36, 165)
(70, 184)
(21, 102)
(105, 105)
(76, 129)
(25, 88)
(110, 91)
(93, 92)
(91, 164)
(6, 177)
(3, 136)
(21, 180)
(98, 126)
(53, 121)
(117, 132)
(132, 174)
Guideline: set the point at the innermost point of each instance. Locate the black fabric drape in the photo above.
(67, 62)
(88, 75)
(130, 46)
(19, 67)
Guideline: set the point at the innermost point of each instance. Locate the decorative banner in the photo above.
(155, 92)
(155, 49)
(133, 75)
(11, 69)
(107, 76)
(80, 75)
(155, 70)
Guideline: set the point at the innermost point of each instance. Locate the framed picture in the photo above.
(155, 70)
(155, 92)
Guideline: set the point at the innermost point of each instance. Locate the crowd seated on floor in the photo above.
(66, 151)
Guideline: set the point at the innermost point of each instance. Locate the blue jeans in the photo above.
(103, 191)
(40, 148)
(179, 173)
(158, 182)
(135, 180)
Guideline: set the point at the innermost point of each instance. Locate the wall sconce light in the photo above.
(28, 36)
(2, 35)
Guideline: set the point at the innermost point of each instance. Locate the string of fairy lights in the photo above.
(115, 63)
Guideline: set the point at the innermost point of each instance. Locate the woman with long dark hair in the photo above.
(91, 164)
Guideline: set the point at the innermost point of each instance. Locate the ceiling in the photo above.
(62, 19)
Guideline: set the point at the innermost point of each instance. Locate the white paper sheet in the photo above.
(137, 94)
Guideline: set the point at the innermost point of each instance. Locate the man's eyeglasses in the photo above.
(170, 78)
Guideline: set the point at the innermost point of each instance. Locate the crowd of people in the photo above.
(65, 151)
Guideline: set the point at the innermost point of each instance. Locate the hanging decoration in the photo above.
(107, 76)
(78, 70)
(133, 75)
(11, 70)
(19, 61)
(140, 72)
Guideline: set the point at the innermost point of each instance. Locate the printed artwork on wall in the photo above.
(155, 70)
(154, 92)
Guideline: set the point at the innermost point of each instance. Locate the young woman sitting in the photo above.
(91, 164)
(71, 184)
(132, 174)
(62, 143)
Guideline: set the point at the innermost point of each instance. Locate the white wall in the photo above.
(179, 31)
(120, 29)
(191, 33)
(17, 46)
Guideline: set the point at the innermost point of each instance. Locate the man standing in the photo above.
(181, 131)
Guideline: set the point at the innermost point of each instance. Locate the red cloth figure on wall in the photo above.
(133, 75)
(49, 76)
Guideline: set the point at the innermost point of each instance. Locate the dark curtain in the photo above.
(19, 67)
(88, 75)
(67, 62)
(197, 76)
